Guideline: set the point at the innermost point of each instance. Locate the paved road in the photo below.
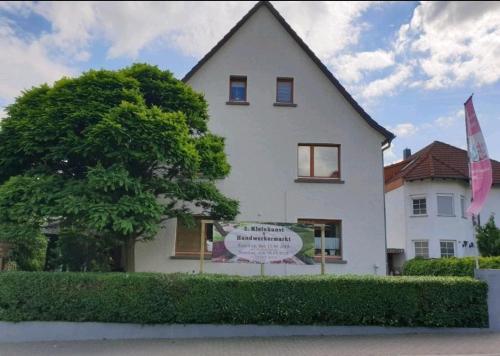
(476, 344)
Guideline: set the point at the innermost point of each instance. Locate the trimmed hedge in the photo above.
(448, 266)
(150, 298)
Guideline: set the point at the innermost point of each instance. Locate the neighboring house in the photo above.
(300, 147)
(426, 197)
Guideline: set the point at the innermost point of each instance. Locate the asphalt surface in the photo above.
(469, 344)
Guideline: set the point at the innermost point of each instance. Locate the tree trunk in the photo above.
(129, 255)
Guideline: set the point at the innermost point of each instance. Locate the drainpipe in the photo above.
(385, 145)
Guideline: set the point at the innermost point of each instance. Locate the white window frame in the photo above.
(454, 248)
(415, 248)
(450, 195)
(417, 197)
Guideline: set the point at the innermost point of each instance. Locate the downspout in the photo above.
(385, 145)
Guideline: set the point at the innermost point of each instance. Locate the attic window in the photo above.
(284, 90)
(237, 89)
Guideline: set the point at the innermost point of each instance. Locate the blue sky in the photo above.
(411, 65)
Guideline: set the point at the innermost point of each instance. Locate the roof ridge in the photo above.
(389, 136)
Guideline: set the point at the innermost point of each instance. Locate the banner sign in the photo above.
(480, 164)
(247, 242)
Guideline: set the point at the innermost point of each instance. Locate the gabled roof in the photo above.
(387, 134)
(437, 160)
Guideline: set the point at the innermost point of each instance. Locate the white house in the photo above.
(426, 197)
(300, 147)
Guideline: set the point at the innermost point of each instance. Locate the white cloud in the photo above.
(25, 63)
(191, 27)
(328, 27)
(455, 42)
(129, 27)
(450, 120)
(404, 130)
(350, 67)
(387, 85)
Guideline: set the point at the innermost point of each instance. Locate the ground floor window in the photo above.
(421, 248)
(331, 231)
(447, 248)
(189, 238)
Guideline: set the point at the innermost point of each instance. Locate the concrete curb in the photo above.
(73, 331)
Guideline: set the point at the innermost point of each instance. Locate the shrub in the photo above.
(448, 266)
(488, 238)
(150, 298)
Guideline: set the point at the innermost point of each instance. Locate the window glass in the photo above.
(284, 91)
(238, 91)
(462, 206)
(445, 205)
(447, 248)
(330, 229)
(419, 206)
(188, 238)
(421, 248)
(326, 162)
(304, 161)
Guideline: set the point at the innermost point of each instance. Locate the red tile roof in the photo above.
(437, 160)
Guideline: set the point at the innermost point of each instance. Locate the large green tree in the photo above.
(109, 154)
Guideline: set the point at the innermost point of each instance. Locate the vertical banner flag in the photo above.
(479, 162)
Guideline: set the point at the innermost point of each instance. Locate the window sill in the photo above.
(419, 216)
(190, 257)
(291, 105)
(320, 180)
(447, 216)
(237, 103)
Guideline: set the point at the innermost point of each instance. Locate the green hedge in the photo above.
(448, 266)
(149, 298)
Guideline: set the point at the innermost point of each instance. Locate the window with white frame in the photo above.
(462, 205)
(445, 205)
(421, 248)
(447, 248)
(419, 206)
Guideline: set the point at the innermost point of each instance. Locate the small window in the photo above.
(462, 206)
(284, 90)
(447, 248)
(421, 248)
(331, 230)
(319, 161)
(188, 239)
(445, 205)
(419, 206)
(238, 88)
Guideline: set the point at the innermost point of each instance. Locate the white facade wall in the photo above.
(403, 228)
(261, 144)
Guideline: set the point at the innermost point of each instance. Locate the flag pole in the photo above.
(476, 259)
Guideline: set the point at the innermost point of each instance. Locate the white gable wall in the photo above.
(261, 143)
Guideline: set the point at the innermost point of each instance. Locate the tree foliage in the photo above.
(488, 238)
(110, 154)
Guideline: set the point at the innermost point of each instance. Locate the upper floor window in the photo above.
(319, 160)
(284, 90)
(419, 206)
(238, 88)
(447, 248)
(421, 248)
(445, 205)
